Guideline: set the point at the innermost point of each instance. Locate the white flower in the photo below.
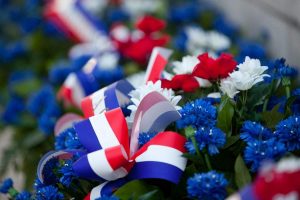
(108, 61)
(214, 95)
(293, 195)
(186, 66)
(217, 41)
(140, 7)
(288, 165)
(252, 67)
(249, 73)
(197, 40)
(138, 94)
(200, 41)
(228, 87)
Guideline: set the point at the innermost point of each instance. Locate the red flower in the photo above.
(186, 82)
(149, 24)
(213, 69)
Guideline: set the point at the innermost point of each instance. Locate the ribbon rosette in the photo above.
(114, 155)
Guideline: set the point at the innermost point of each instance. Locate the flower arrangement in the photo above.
(207, 122)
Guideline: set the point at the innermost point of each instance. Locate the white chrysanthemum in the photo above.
(186, 66)
(249, 73)
(138, 94)
(228, 87)
(252, 67)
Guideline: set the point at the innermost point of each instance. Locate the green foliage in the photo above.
(225, 114)
(138, 190)
(242, 175)
(271, 118)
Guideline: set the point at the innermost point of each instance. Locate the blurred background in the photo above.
(30, 47)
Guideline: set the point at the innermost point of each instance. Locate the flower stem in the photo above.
(195, 145)
(13, 192)
(207, 162)
(287, 91)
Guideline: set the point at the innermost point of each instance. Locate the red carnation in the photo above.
(213, 69)
(186, 82)
(149, 24)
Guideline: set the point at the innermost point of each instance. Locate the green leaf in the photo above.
(231, 140)
(136, 189)
(242, 175)
(149, 195)
(288, 104)
(27, 87)
(34, 139)
(225, 114)
(257, 94)
(271, 118)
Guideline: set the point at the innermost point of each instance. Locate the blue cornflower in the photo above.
(39, 100)
(145, 137)
(281, 69)
(296, 104)
(198, 113)
(6, 185)
(207, 186)
(288, 132)
(108, 198)
(58, 74)
(67, 173)
(190, 147)
(296, 92)
(49, 193)
(68, 139)
(211, 139)
(251, 49)
(49, 171)
(116, 15)
(180, 41)
(38, 184)
(11, 113)
(274, 100)
(222, 26)
(254, 131)
(46, 124)
(23, 196)
(257, 151)
(184, 12)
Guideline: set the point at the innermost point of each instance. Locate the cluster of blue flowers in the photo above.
(68, 139)
(202, 115)
(263, 144)
(43, 105)
(7, 185)
(145, 137)
(207, 186)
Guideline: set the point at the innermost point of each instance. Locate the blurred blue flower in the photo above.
(13, 110)
(6, 185)
(67, 173)
(296, 104)
(222, 26)
(211, 139)
(38, 184)
(251, 49)
(184, 12)
(116, 15)
(198, 113)
(288, 132)
(258, 151)
(46, 124)
(254, 131)
(68, 139)
(49, 193)
(180, 41)
(23, 196)
(207, 186)
(145, 137)
(106, 77)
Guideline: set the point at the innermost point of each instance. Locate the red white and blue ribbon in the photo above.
(74, 20)
(79, 84)
(112, 156)
(158, 60)
(108, 98)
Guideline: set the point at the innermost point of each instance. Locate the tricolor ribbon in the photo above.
(79, 84)
(113, 153)
(74, 20)
(108, 98)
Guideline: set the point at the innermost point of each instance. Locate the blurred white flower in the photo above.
(217, 41)
(214, 95)
(138, 94)
(136, 79)
(186, 66)
(200, 41)
(228, 87)
(140, 7)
